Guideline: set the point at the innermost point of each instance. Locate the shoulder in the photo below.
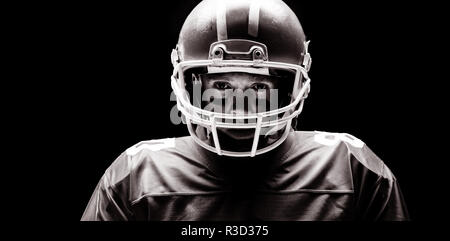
(157, 153)
(168, 165)
(147, 146)
(328, 161)
(339, 148)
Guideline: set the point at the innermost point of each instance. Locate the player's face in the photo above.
(247, 92)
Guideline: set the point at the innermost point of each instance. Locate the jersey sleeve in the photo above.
(109, 202)
(379, 197)
(386, 202)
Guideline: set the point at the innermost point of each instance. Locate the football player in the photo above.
(241, 79)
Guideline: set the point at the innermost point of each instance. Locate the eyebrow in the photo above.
(215, 77)
(253, 78)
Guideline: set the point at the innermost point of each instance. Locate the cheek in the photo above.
(262, 94)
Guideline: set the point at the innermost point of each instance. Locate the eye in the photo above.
(260, 86)
(222, 85)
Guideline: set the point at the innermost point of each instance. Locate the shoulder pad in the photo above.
(151, 145)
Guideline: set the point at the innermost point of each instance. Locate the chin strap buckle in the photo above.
(307, 58)
(175, 56)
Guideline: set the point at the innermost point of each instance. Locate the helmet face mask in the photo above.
(253, 132)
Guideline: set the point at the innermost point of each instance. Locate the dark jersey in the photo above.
(311, 176)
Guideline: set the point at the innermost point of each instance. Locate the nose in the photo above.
(240, 103)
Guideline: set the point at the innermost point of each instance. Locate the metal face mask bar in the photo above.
(238, 55)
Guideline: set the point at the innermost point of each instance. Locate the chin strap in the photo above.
(294, 123)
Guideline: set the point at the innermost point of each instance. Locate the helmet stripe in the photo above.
(221, 21)
(253, 18)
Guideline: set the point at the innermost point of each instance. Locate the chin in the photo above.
(239, 134)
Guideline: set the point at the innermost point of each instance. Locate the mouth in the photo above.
(239, 134)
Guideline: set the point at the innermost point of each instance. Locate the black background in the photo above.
(106, 86)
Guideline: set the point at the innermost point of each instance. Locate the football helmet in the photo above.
(251, 36)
